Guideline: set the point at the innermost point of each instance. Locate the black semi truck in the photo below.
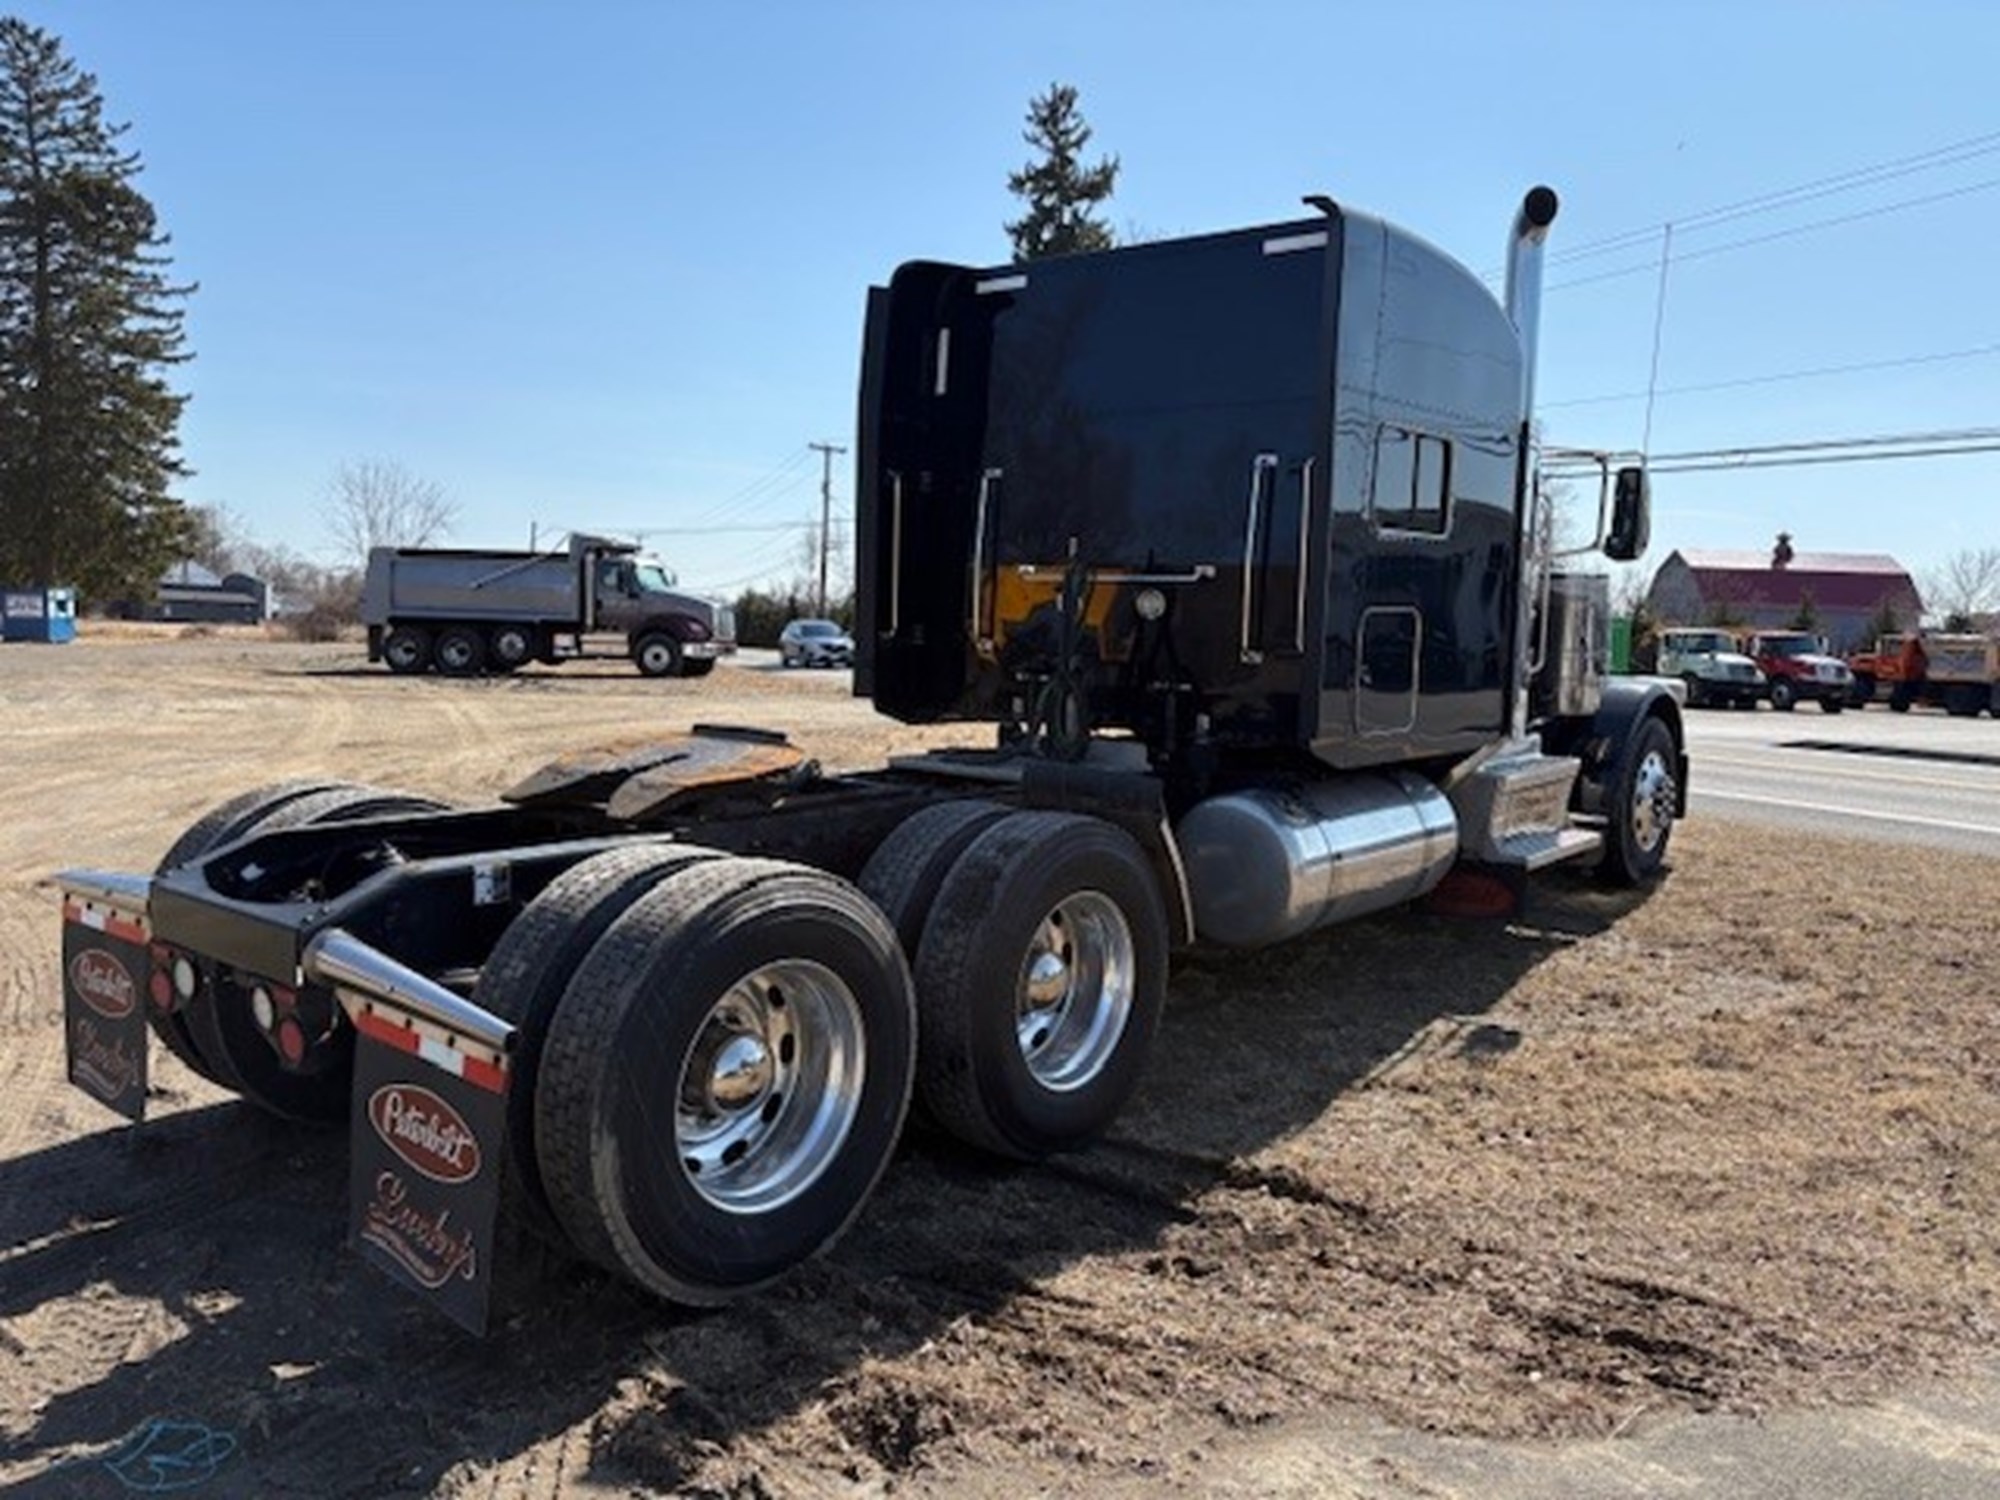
(1237, 541)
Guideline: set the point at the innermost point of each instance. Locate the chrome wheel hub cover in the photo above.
(770, 1086)
(1075, 992)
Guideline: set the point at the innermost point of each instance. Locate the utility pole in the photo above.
(826, 452)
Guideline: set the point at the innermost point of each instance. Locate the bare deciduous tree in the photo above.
(1965, 584)
(1631, 587)
(214, 534)
(373, 502)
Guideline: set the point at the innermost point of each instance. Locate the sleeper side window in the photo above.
(1412, 482)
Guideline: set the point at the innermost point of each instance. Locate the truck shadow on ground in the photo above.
(199, 1261)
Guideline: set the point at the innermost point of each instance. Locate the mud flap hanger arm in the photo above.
(127, 894)
(343, 962)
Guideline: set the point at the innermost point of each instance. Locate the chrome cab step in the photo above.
(1513, 806)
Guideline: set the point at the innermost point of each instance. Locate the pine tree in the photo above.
(89, 323)
(1059, 191)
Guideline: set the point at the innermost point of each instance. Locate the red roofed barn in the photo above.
(1766, 590)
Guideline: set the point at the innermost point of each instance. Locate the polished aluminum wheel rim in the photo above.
(1074, 996)
(770, 1087)
(1652, 802)
(656, 658)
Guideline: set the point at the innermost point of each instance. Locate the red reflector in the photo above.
(291, 1040)
(161, 989)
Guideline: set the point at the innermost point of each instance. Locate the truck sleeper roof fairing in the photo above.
(1279, 467)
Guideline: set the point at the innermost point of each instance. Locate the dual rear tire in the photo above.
(714, 1064)
(1040, 945)
(716, 1054)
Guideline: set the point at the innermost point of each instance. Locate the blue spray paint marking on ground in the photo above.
(161, 1457)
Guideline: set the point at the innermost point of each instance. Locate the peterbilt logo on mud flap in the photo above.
(103, 983)
(425, 1131)
(424, 1179)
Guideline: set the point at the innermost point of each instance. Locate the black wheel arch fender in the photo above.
(1599, 742)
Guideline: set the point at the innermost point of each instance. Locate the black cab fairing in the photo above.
(1184, 421)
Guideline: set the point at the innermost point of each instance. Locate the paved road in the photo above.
(1939, 1442)
(1921, 778)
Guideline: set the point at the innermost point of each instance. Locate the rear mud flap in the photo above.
(106, 969)
(428, 1133)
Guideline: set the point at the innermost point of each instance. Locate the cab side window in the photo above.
(1412, 482)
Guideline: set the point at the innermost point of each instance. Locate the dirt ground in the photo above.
(1630, 1154)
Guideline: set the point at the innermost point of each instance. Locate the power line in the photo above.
(789, 465)
(1806, 460)
(1783, 234)
(1853, 179)
(767, 526)
(1873, 448)
(1780, 377)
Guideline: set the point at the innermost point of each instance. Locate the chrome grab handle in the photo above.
(986, 482)
(1261, 466)
(1305, 550)
(895, 552)
(1543, 563)
(1199, 573)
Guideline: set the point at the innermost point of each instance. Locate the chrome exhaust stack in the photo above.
(1524, 282)
(1524, 310)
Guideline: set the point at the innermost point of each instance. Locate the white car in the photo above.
(815, 643)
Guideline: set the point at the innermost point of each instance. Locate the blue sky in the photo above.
(603, 264)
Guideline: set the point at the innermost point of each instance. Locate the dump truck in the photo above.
(464, 612)
(1237, 543)
(1961, 674)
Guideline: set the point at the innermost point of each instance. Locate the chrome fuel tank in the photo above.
(1267, 865)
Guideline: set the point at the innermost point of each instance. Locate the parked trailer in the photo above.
(1234, 538)
(465, 612)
